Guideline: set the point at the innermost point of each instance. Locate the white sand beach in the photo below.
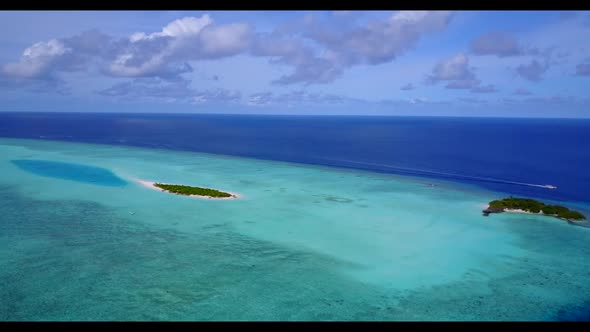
(521, 211)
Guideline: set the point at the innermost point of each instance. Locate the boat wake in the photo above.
(445, 174)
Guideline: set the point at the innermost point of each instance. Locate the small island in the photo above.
(190, 191)
(527, 205)
(194, 192)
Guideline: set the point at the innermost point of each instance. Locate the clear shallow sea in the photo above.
(307, 242)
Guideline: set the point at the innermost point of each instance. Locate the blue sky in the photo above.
(467, 63)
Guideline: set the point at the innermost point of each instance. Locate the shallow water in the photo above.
(304, 243)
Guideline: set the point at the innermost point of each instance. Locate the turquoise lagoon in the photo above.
(80, 240)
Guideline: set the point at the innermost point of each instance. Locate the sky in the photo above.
(422, 63)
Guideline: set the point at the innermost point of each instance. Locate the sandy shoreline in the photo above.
(151, 185)
(523, 211)
(485, 207)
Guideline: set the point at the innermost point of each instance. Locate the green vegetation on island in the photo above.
(188, 190)
(533, 206)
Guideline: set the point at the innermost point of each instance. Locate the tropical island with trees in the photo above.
(190, 191)
(528, 205)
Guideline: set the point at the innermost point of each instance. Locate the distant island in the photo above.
(526, 205)
(189, 191)
(196, 192)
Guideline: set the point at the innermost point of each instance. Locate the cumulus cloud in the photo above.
(407, 87)
(319, 52)
(583, 69)
(503, 44)
(451, 69)
(378, 41)
(339, 47)
(224, 40)
(532, 71)
(87, 48)
(497, 43)
(184, 27)
(308, 67)
(165, 54)
(37, 60)
(457, 74)
(455, 71)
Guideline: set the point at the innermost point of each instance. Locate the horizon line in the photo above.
(303, 115)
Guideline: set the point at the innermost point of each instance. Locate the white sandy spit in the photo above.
(520, 211)
(151, 185)
(515, 210)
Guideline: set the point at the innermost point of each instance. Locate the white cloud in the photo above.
(180, 28)
(186, 27)
(225, 40)
(339, 47)
(162, 54)
(190, 38)
(454, 70)
(36, 60)
(381, 41)
(318, 53)
(458, 75)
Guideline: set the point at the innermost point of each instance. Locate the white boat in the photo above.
(548, 186)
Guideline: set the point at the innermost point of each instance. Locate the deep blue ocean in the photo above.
(508, 155)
